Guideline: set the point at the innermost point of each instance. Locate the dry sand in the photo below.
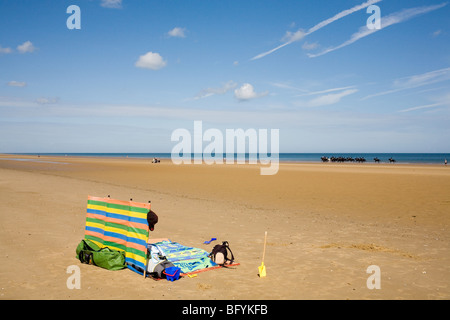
(327, 223)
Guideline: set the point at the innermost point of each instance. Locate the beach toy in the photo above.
(192, 275)
(172, 273)
(262, 267)
(208, 242)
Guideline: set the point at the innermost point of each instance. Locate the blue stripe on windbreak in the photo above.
(125, 238)
(95, 229)
(137, 241)
(116, 235)
(117, 216)
(136, 263)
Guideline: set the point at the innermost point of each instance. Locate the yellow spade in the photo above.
(262, 267)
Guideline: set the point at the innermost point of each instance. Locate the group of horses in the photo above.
(351, 159)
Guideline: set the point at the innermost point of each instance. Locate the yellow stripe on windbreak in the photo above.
(95, 225)
(116, 230)
(97, 243)
(114, 248)
(133, 214)
(135, 257)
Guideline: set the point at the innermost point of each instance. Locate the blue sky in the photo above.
(138, 70)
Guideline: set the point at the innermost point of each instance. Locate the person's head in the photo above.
(152, 219)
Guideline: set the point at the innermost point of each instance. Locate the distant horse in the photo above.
(376, 160)
(391, 160)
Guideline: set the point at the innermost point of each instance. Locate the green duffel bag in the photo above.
(90, 253)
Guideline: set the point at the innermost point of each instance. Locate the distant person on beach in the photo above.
(445, 162)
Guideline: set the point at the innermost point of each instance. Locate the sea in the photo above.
(406, 158)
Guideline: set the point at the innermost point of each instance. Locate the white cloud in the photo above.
(17, 84)
(114, 4)
(151, 60)
(177, 32)
(300, 34)
(247, 92)
(327, 99)
(5, 50)
(386, 21)
(212, 91)
(294, 36)
(25, 47)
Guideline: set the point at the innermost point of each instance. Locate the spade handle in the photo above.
(264, 252)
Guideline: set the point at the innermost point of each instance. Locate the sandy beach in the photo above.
(326, 223)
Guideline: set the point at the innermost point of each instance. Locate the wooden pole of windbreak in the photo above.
(146, 254)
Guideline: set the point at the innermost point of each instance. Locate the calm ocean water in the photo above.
(430, 158)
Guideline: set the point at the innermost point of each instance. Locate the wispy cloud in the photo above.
(287, 86)
(415, 81)
(113, 4)
(327, 99)
(443, 100)
(423, 79)
(310, 46)
(342, 14)
(421, 107)
(16, 84)
(44, 100)
(291, 37)
(436, 33)
(386, 21)
(5, 50)
(212, 91)
(325, 91)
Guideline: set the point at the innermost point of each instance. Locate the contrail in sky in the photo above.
(301, 34)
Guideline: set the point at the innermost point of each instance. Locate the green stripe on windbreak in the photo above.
(136, 252)
(95, 220)
(138, 231)
(119, 226)
(117, 206)
(89, 237)
(114, 244)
